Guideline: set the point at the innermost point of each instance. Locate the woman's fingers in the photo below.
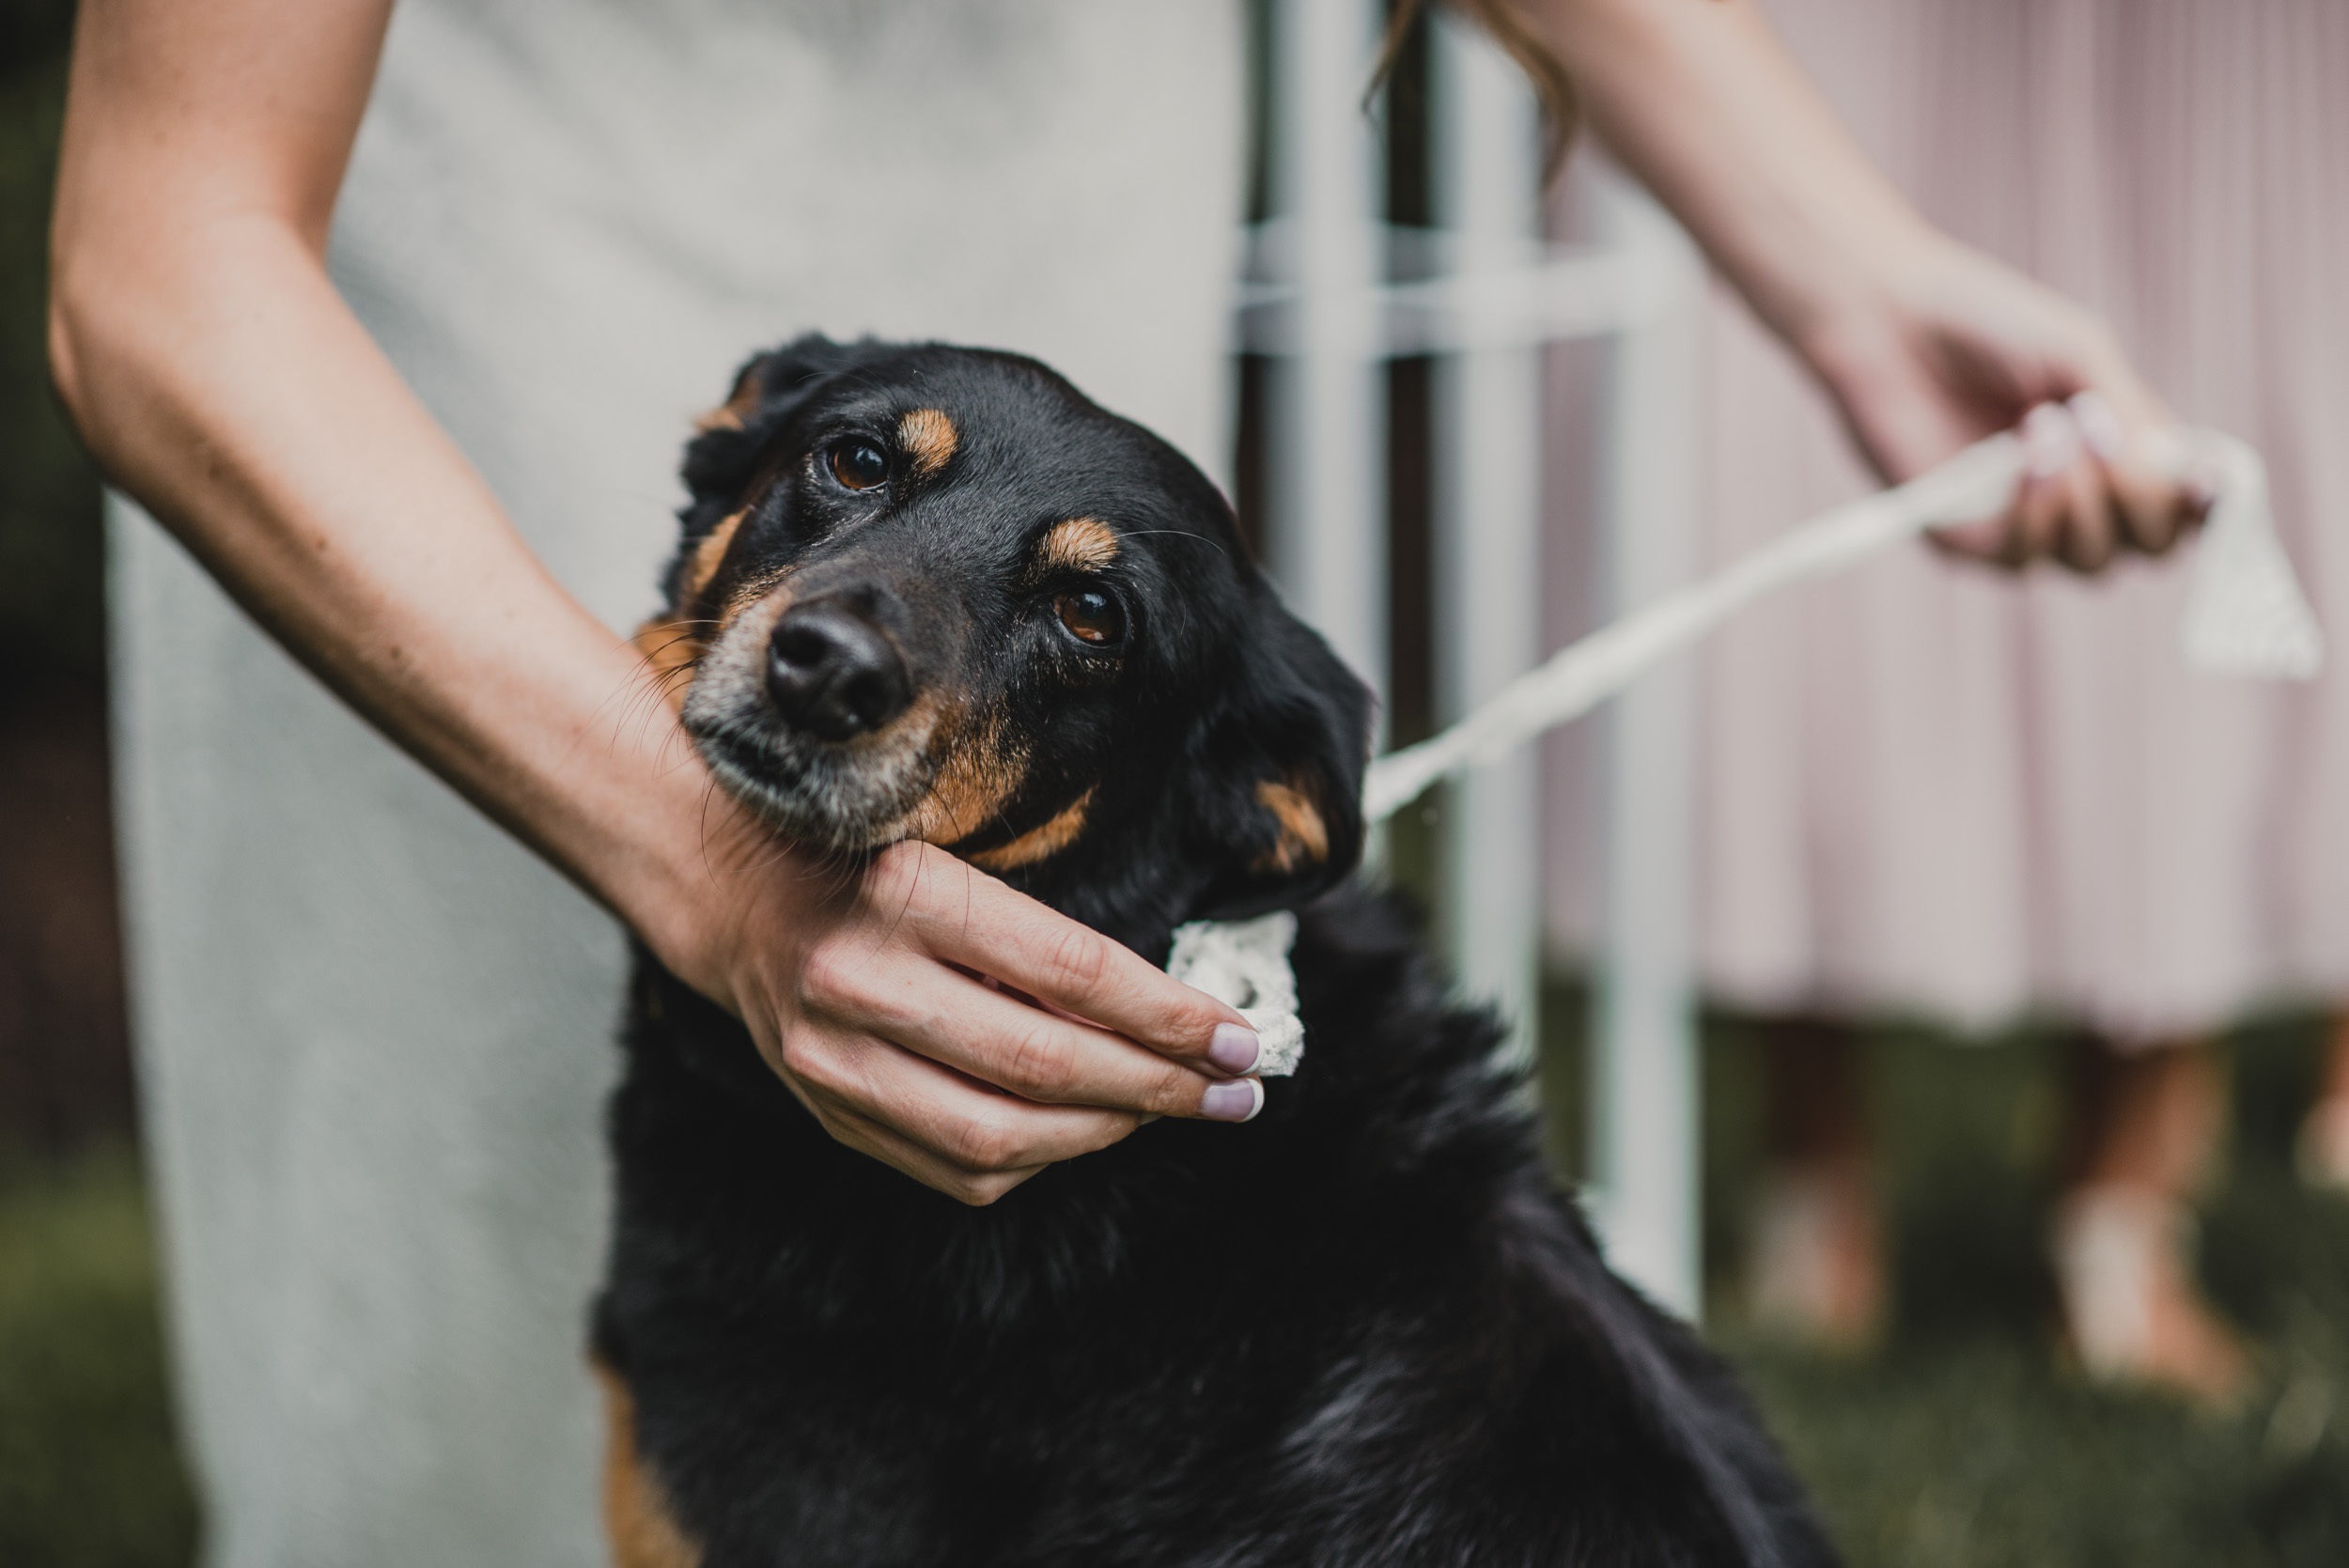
(2155, 512)
(935, 1124)
(2088, 532)
(940, 1014)
(963, 916)
(2037, 518)
(2152, 507)
(2061, 510)
(925, 1165)
(2089, 491)
(1991, 540)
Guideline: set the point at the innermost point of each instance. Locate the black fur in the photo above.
(1365, 1329)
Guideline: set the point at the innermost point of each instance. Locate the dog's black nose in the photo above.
(833, 673)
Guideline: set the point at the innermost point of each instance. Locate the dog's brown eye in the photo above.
(859, 464)
(1092, 616)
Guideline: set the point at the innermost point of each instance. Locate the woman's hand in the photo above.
(1926, 345)
(1956, 346)
(861, 987)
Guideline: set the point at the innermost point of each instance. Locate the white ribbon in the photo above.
(2245, 617)
(1245, 964)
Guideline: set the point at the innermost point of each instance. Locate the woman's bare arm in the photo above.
(1925, 344)
(220, 379)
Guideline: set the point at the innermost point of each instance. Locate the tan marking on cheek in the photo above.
(670, 649)
(975, 782)
(643, 1532)
(1080, 544)
(709, 555)
(928, 439)
(1038, 844)
(1303, 834)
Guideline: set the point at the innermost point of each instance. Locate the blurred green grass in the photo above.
(1962, 1441)
(90, 1475)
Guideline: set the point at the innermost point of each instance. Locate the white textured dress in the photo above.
(1931, 789)
(375, 1033)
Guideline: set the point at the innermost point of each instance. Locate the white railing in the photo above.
(1335, 294)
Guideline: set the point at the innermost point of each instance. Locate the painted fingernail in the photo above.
(1233, 1049)
(2051, 440)
(2099, 426)
(1237, 1101)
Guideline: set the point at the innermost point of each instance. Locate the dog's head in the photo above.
(936, 594)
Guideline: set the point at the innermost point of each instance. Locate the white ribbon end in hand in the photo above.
(2244, 613)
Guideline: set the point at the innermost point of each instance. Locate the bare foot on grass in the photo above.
(2132, 1313)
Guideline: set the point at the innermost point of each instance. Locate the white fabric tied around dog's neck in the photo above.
(2245, 617)
(1245, 963)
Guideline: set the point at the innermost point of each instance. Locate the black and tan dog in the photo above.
(947, 598)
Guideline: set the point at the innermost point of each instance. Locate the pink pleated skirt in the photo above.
(1939, 790)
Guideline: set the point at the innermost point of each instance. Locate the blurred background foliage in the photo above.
(64, 1068)
(90, 1473)
(1962, 1440)
(49, 543)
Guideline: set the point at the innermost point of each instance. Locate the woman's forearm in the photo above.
(227, 387)
(1701, 101)
(220, 379)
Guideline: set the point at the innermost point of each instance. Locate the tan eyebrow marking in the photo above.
(1303, 834)
(928, 438)
(1079, 544)
(1038, 844)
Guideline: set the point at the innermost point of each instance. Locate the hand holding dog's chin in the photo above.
(857, 981)
(1945, 346)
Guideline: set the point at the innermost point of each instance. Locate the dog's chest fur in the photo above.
(1363, 1328)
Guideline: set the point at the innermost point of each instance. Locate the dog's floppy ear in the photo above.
(1275, 792)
